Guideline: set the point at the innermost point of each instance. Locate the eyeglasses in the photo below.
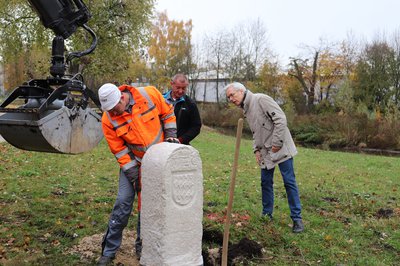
(229, 96)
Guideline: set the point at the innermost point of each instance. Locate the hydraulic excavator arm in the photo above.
(55, 114)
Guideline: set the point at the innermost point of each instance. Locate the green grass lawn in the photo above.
(351, 208)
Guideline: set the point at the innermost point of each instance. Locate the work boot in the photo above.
(298, 226)
(138, 248)
(104, 261)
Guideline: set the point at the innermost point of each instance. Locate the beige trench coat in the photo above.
(268, 124)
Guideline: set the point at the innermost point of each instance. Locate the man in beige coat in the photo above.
(272, 145)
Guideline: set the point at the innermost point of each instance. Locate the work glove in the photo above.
(172, 140)
(133, 175)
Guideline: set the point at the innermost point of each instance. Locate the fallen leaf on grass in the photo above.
(55, 243)
(2, 252)
(10, 242)
(80, 226)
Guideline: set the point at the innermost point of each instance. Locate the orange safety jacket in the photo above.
(129, 135)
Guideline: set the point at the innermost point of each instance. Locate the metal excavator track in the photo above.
(51, 120)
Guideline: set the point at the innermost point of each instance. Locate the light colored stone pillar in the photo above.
(172, 206)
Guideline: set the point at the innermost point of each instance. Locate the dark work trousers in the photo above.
(119, 217)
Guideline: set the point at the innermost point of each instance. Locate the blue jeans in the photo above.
(119, 217)
(292, 192)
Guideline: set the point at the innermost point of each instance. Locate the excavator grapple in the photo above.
(58, 114)
(51, 120)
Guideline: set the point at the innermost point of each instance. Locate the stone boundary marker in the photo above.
(172, 206)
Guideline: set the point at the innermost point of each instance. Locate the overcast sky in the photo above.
(290, 23)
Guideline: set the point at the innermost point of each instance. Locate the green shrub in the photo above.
(307, 131)
(336, 142)
(383, 135)
(310, 138)
(324, 107)
(328, 130)
(220, 115)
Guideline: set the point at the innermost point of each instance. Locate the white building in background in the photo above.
(203, 86)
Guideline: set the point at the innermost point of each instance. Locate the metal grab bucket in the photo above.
(55, 117)
(64, 130)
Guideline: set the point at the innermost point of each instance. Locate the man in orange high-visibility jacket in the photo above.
(133, 120)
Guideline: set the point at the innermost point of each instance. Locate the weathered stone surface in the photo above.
(172, 206)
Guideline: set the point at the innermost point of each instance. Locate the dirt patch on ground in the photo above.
(89, 249)
(384, 213)
(238, 254)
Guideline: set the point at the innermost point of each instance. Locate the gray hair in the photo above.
(236, 86)
(179, 76)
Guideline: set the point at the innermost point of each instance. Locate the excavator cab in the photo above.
(58, 114)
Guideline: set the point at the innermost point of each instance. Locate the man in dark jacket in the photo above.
(187, 115)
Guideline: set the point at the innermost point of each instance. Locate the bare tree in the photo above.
(395, 67)
(218, 48)
(238, 53)
(248, 50)
(308, 79)
(320, 71)
(206, 68)
(194, 70)
(259, 45)
(349, 50)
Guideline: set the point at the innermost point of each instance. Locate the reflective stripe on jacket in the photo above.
(129, 135)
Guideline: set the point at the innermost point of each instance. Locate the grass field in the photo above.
(351, 204)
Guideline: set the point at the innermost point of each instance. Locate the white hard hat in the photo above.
(109, 96)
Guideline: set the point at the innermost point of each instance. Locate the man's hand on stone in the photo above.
(132, 174)
(172, 140)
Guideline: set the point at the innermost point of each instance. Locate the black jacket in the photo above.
(188, 120)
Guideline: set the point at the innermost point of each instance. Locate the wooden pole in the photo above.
(231, 191)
